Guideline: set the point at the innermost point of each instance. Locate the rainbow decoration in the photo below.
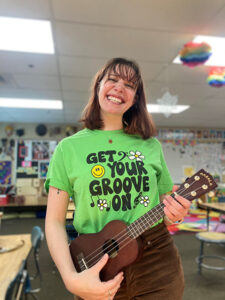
(216, 77)
(194, 54)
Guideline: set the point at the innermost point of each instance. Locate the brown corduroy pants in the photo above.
(158, 275)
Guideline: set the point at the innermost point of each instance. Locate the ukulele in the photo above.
(120, 241)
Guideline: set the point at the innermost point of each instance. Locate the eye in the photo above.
(130, 86)
(112, 79)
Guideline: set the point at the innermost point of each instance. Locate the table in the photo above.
(218, 207)
(30, 203)
(70, 211)
(10, 262)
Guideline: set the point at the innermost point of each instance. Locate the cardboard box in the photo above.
(24, 182)
(26, 190)
(36, 182)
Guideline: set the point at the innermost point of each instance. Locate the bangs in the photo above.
(127, 72)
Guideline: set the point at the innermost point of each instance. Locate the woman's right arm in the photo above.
(87, 283)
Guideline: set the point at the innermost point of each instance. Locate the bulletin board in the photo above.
(184, 160)
(33, 158)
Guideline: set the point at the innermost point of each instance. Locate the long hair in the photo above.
(136, 120)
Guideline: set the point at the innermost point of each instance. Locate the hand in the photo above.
(176, 210)
(88, 286)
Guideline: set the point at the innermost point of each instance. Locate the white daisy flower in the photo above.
(144, 200)
(136, 155)
(102, 204)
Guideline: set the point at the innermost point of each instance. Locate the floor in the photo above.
(210, 285)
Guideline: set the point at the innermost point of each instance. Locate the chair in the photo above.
(17, 285)
(21, 284)
(209, 238)
(36, 237)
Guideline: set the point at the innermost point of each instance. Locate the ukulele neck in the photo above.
(193, 187)
(146, 221)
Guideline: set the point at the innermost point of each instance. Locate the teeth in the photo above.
(114, 99)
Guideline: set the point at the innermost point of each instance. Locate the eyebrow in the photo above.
(125, 79)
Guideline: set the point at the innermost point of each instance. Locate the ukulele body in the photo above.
(86, 250)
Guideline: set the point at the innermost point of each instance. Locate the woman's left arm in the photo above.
(175, 210)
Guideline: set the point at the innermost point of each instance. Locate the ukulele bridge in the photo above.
(81, 262)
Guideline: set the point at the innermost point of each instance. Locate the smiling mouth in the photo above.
(114, 99)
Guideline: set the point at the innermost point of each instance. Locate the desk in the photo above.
(30, 203)
(218, 207)
(10, 262)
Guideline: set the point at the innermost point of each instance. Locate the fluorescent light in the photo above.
(218, 50)
(31, 103)
(174, 109)
(26, 35)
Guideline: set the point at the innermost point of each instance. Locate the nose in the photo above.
(119, 86)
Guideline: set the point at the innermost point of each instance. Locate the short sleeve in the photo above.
(57, 173)
(165, 183)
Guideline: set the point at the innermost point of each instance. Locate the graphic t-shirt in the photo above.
(110, 175)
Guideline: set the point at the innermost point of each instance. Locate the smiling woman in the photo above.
(114, 169)
(119, 82)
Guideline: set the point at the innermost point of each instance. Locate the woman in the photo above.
(114, 169)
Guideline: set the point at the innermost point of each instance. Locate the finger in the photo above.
(169, 202)
(101, 263)
(178, 201)
(181, 208)
(113, 292)
(175, 188)
(115, 282)
(184, 202)
(173, 214)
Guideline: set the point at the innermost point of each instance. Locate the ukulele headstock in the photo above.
(197, 185)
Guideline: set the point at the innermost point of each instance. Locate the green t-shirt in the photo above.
(110, 175)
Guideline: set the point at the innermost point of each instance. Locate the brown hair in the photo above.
(136, 120)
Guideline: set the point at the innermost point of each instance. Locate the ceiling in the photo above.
(89, 32)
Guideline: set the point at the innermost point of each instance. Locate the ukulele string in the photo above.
(189, 193)
(183, 189)
(122, 238)
(124, 245)
(123, 234)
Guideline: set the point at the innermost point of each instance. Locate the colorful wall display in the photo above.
(5, 172)
(33, 158)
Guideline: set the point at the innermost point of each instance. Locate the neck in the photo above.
(112, 122)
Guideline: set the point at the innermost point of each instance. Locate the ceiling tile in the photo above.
(16, 62)
(170, 15)
(37, 82)
(25, 9)
(98, 41)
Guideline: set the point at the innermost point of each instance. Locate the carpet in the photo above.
(195, 221)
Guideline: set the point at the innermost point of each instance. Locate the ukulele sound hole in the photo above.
(111, 247)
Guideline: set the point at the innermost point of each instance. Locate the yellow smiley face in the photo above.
(98, 171)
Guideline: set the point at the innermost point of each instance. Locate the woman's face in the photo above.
(116, 95)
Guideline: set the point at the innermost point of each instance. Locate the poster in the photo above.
(5, 172)
(40, 150)
(43, 169)
(188, 171)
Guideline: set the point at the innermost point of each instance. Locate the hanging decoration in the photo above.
(216, 77)
(167, 103)
(195, 54)
(9, 130)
